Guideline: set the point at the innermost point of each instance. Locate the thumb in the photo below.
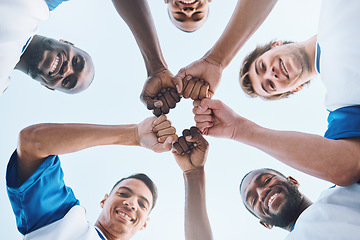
(177, 80)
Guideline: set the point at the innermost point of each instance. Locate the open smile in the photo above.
(56, 65)
(124, 215)
(283, 69)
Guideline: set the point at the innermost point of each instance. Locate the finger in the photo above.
(166, 132)
(178, 147)
(157, 112)
(165, 107)
(204, 91)
(186, 133)
(196, 90)
(183, 144)
(161, 126)
(159, 120)
(162, 139)
(195, 111)
(167, 145)
(153, 103)
(203, 118)
(175, 95)
(195, 136)
(207, 103)
(169, 99)
(202, 125)
(178, 80)
(189, 88)
(196, 103)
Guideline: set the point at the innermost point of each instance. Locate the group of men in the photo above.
(273, 71)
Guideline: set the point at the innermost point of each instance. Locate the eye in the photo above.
(254, 201)
(263, 66)
(267, 180)
(69, 83)
(142, 205)
(272, 85)
(66, 82)
(75, 61)
(123, 194)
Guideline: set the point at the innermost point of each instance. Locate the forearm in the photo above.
(197, 225)
(137, 15)
(41, 140)
(336, 161)
(246, 19)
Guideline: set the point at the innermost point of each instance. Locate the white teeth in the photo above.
(272, 199)
(283, 68)
(125, 216)
(188, 2)
(54, 64)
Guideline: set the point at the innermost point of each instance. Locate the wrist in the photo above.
(214, 59)
(194, 173)
(155, 66)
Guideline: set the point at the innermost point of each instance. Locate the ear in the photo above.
(277, 43)
(268, 226)
(145, 224)
(67, 42)
(52, 89)
(209, 0)
(297, 89)
(102, 202)
(293, 180)
(166, 1)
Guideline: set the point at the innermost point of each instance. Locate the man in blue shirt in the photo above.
(45, 208)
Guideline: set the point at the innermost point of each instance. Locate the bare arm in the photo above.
(246, 19)
(137, 15)
(39, 141)
(336, 161)
(191, 154)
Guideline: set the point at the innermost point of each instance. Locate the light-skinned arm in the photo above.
(246, 19)
(137, 15)
(190, 152)
(336, 161)
(39, 141)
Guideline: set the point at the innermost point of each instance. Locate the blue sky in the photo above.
(113, 98)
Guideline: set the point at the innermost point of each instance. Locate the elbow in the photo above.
(29, 139)
(347, 178)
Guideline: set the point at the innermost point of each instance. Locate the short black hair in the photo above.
(145, 179)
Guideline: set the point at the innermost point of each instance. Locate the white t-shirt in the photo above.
(339, 39)
(73, 226)
(335, 216)
(19, 22)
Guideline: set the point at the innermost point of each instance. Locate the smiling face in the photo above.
(271, 197)
(284, 68)
(59, 65)
(188, 15)
(126, 210)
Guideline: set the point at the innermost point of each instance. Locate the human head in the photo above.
(271, 197)
(127, 207)
(272, 82)
(188, 15)
(58, 65)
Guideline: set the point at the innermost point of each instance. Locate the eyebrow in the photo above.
(132, 192)
(256, 70)
(256, 180)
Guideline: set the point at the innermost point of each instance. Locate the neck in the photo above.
(305, 203)
(107, 233)
(310, 49)
(25, 58)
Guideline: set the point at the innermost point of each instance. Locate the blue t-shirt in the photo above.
(52, 4)
(344, 123)
(43, 198)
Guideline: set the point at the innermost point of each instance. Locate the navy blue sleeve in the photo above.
(43, 198)
(344, 123)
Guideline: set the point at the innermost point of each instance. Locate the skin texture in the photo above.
(272, 198)
(267, 73)
(132, 198)
(188, 17)
(190, 152)
(138, 17)
(312, 154)
(246, 19)
(57, 65)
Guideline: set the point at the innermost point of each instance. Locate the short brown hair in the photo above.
(245, 80)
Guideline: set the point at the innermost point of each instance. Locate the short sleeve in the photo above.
(52, 4)
(344, 123)
(43, 198)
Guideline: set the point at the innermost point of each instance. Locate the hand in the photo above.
(156, 134)
(206, 69)
(214, 118)
(154, 99)
(195, 89)
(190, 151)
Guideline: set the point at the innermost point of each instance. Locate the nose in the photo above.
(188, 11)
(65, 68)
(262, 193)
(130, 203)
